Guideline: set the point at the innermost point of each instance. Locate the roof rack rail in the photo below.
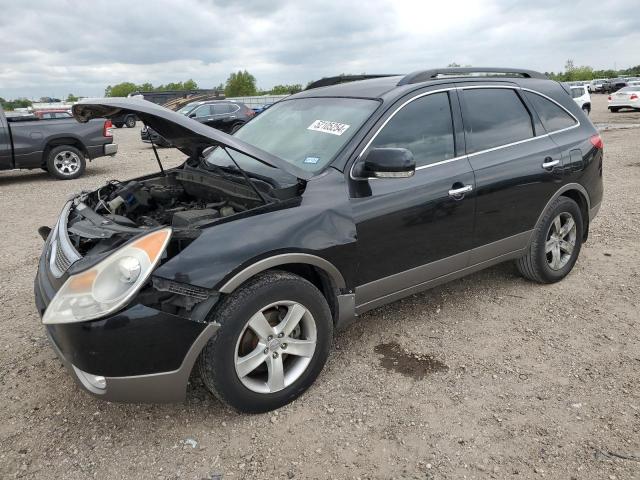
(327, 81)
(425, 75)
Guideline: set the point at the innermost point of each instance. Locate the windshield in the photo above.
(306, 132)
(188, 107)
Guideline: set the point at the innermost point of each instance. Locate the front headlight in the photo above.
(110, 284)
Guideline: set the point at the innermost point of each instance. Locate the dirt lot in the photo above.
(487, 377)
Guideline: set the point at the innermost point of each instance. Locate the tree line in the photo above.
(238, 84)
(573, 73)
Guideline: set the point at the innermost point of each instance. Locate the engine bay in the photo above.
(186, 200)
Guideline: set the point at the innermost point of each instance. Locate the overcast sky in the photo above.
(57, 47)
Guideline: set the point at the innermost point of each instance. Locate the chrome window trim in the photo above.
(460, 157)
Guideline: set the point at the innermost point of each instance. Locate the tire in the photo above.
(130, 121)
(235, 127)
(539, 265)
(257, 391)
(586, 110)
(118, 125)
(66, 162)
(614, 109)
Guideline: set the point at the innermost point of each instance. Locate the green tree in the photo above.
(286, 89)
(120, 90)
(240, 84)
(190, 85)
(72, 98)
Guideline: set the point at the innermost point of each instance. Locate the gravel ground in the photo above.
(487, 377)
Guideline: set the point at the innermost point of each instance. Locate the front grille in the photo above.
(62, 262)
(61, 252)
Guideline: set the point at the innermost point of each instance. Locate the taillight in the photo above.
(597, 142)
(609, 97)
(107, 129)
(633, 97)
(249, 112)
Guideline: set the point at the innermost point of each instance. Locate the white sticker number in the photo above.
(334, 128)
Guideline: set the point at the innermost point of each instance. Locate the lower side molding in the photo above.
(389, 289)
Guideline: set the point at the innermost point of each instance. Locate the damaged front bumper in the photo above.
(139, 354)
(161, 387)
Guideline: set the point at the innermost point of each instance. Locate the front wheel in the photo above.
(130, 122)
(614, 109)
(273, 342)
(555, 245)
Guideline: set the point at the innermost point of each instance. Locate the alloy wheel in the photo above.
(275, 347)
(66, 163)
(561, 241)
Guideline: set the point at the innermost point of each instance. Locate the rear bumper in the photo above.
(624, 103)
(108, 149)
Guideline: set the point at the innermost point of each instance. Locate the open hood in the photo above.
(189, 136)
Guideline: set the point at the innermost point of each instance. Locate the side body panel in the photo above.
(6, 150)
(320, 224)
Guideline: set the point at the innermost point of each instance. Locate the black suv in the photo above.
(225, 115)
(332, 202)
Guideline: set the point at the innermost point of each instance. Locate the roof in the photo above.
(376, 86)
(373, 88)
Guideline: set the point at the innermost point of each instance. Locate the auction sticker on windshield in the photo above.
(334, 128)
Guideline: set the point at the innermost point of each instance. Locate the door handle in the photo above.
(458, 193)
(548, 163)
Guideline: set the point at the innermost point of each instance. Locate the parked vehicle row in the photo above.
(53, 141)
(224, 115)
(334, 201)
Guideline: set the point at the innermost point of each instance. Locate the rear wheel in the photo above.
(556, 243)
(273, 342)
(236, 127)
(130, 122)
(586, 110)
(65, 162)
(614, 109)
(118, 125)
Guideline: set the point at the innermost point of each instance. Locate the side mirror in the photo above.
(192, 115)
(386, 163)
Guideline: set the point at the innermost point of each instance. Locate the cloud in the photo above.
(54, 48)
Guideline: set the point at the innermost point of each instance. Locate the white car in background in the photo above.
(580, 95)
(627, 97)
(595, 85)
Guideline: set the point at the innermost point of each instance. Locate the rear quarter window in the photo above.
(553, 116)
(495, 117)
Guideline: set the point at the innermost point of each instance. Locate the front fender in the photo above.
(320, 229)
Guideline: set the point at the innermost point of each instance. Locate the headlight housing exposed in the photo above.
(110, 284)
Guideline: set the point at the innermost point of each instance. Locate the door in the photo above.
(411, 230)
(517, 168)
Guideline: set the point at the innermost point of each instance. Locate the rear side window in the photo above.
(553, 117)
(424, 126)
(577, 92)
(495, 117)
